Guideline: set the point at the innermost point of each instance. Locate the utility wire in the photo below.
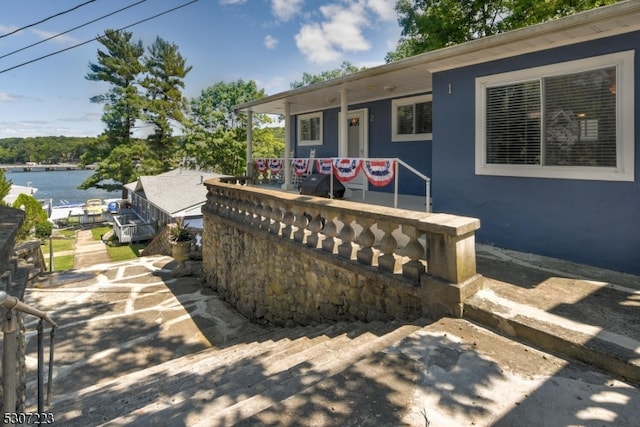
(71, 29)
(97, 38)
(46, 19)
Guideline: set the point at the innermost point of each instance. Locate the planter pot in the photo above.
(180, 251)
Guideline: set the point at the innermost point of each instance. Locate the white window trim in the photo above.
(395, 103)
(625, 136)
(308, 142)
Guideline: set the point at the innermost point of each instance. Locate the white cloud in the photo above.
(228, 2)
(339, 32)
(5, 29)
(385, 9)
(286, 9)
(50, 35)
(270, 42)
(7, 97)
(313, 43)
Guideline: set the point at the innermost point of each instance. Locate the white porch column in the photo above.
(343, 136)
(287, 147)
(250, 168)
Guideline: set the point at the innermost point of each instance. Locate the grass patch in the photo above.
(124, 252)
(61, 263)
(98, 232)
(59, 245)
(68, 233)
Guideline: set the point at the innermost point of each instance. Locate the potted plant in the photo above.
(181, 239)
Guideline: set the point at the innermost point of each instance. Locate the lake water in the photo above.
(60, 186)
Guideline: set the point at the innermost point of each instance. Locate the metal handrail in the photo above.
(9, 328)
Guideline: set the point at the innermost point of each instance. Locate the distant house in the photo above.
(532, 131)
(160, 199)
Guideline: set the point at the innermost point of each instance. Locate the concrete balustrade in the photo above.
(426, 256)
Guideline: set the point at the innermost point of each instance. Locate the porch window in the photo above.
(310, 129)
(412, 119)
(568, 120)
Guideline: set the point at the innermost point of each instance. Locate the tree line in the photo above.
(43, 149)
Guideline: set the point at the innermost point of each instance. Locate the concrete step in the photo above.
(584, 338)
(246, 375)
(122, 386)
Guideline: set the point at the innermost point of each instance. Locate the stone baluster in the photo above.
(316, 224)
(225, 204)
(276, 216)
(254, 211)
(414, 268)
(243, 209)
(288, 219)
(388, 261)
(265, 212)
(300, 223)
(366, 254)
(347, 248)
(329, 244)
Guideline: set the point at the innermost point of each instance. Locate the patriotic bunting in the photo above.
(261, 165)
(346, 169)
(275, 165)
(324, 166)
(379, 172)
(300, 166)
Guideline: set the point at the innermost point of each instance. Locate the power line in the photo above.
(97, 38)
(46, 19)
(71, 29)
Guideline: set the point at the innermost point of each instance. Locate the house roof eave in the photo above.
(413, 75)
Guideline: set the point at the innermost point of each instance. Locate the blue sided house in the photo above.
(532, 131)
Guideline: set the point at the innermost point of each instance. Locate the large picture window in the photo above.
(412, 119)
(569, 120)
(310, 129)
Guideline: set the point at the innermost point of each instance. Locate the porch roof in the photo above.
(413, 75)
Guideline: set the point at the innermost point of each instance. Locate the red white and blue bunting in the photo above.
(379, 172)
(324, 166)
(275, 165)
(261, 165)
(345, 169)
(300, 166)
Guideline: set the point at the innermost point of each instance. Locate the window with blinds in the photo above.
(310, 129)
(560, 119)
(412, 119)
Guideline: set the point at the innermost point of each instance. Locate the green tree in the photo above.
(308, 79)
(33, 215)
(268, 142)
(165, 106)
(120, 66)
(433, 24)
(141, 89)
(5, 187)
(213, 109)
(123, 164)
(216, 137)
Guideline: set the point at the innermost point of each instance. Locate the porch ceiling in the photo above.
(413, 75)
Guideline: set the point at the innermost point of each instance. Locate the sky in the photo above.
(272, 42)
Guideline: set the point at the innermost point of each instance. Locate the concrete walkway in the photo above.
(88, 251)
(138, 346)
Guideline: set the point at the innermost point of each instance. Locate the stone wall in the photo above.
(274, 271)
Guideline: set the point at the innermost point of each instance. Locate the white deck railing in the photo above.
(266, 173)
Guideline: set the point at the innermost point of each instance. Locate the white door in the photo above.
(357, 144)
